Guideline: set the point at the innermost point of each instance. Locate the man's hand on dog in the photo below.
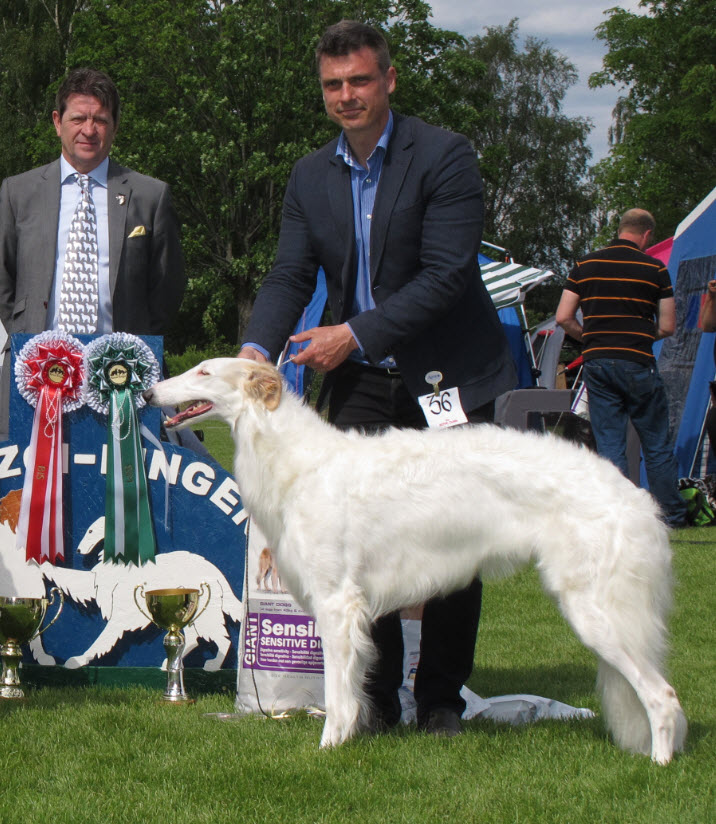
(328, 347)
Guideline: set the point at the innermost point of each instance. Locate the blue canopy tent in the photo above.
(686, 360)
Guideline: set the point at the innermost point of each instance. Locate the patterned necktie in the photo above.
(80, 289)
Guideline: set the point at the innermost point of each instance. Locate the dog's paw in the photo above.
(328, 738)
(334, 736)
(662, 758)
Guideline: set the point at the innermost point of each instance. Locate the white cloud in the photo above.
(564, 19)
(548, 17)
(567, 27)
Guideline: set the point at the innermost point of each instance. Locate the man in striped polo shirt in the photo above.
(627, 303)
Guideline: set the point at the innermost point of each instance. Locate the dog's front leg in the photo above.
(342, 709)
(348, 652)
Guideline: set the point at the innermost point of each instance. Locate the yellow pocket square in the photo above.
(138, 231)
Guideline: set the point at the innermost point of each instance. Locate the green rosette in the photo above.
(118, 368)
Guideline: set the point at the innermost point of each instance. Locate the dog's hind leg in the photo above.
(641, 709)
(348, 653)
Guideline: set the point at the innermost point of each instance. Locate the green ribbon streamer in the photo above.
(129, 530)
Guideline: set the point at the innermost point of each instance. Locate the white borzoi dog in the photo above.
(363, 525)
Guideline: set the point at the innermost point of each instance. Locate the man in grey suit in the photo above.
(393, 212)
(140, 267)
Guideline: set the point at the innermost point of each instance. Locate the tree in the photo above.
(35, 36)
(533, 157)
(663, 140)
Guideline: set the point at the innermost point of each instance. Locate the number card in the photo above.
(443, 408)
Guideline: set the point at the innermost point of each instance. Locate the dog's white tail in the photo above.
(661, 733)
(624, 715)
(627, 631)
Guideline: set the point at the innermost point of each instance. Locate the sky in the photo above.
(567, 26)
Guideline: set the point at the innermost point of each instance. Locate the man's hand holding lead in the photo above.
(328, 347)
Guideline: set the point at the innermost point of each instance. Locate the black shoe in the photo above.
(381, 722)
(378, 726)
(443, 723)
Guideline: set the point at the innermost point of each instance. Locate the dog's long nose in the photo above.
(148, 394)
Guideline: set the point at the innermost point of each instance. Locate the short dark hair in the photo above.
(638, 221)
(90, 82)
(348, 36)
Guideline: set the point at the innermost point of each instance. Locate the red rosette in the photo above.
(49, 374)
(52, 360)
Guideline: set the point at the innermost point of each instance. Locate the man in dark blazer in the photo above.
(141, 271)
(393, 212)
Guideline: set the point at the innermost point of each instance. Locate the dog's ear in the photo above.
(264, 384)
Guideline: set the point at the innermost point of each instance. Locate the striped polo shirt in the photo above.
(619, 288)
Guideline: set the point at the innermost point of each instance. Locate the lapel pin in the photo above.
(120, 200)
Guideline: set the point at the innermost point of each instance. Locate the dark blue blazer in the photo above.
(432, 310)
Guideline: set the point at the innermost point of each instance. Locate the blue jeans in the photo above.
(620, 390)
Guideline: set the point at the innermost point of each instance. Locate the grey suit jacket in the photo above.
(147, 276)
(432, 311)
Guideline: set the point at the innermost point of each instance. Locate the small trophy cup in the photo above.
(20, 620)
(172, 610)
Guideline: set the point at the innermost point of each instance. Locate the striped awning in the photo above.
(508, 283)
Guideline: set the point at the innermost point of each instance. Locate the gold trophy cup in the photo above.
(172, 610)
(20, 620)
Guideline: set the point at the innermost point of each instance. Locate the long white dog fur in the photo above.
(363, 525)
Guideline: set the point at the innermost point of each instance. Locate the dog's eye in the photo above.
(203, 372)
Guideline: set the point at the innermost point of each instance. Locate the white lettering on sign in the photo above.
(158, 464)
(250, 641)
(7, 456)
(202, 485)
(225, 496)
(240, 516)
(289, 629)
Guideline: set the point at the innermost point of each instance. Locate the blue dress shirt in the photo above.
(364, 187)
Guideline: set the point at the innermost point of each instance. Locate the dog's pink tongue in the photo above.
(191, 412)
(199, 409)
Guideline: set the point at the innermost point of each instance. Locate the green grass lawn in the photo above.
(96, 754)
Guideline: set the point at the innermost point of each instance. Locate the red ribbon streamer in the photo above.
(45, 522)
(53, 370)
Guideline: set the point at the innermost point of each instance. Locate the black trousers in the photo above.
(371, 399)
